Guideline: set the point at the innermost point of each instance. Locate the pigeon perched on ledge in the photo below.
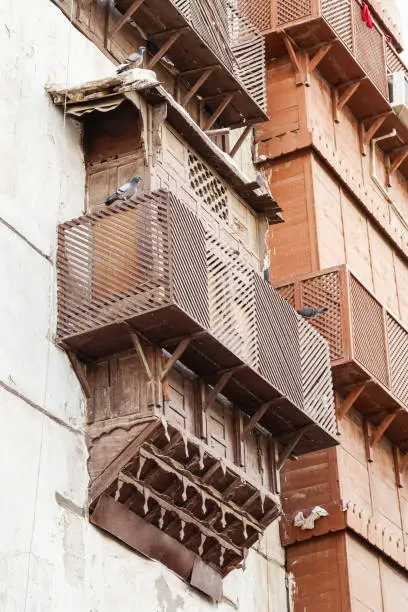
(311, 313)
(135, 60)
(124, 192)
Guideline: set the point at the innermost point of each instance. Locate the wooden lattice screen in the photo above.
(354, 324)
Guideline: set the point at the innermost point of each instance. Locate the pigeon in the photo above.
(311, 313)
(261, 181)
(135, 60)
(124, 192)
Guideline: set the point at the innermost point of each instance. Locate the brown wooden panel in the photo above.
(319, 569)
(364, 576)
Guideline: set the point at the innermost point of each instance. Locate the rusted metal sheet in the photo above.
(151, 263)
(375, 383)
(137, 533)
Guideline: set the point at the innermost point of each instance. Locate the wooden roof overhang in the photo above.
(340, 68)
(159, 20)
(108, 94)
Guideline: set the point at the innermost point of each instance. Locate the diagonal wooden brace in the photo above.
(222, 381)
(140, 352)
(175, 357)
(80, 370)
(125, 17)
(220, 108)
(163, 49)
(383, 426)
(292, 445)
(256, 417)
(319, 55)
(199, 83)
(350, 400)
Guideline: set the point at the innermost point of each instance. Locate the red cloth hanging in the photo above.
(366, 16)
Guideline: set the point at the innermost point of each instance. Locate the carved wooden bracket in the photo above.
(319, 55)
(218, 387)
(194, 89)
(164, 48)
(221, 106)
(182, 346)
(290, 48)
(256, 417)
(340, 97)
(140, 352)
(383, 426)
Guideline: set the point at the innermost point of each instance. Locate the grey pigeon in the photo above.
(124, 192)
(260, 179)
(135, 60)
(311, 313)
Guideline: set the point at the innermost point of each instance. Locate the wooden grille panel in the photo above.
(259, 13)
(398, 351)
(368, 331)
(369, 50)
(233, 38)
(112, 264)
(338, 14)
(207, 187)
(288, 293)
(320, 291)
(291, 10)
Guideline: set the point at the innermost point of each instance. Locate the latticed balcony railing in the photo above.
(344, 17)
(368, 345)
(152, 264)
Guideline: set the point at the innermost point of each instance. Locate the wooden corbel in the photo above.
(164, 48)
(290, 48)
(341, 97)
(181, 347)
(140, 352)
(287, 451)
(256, 417)
(240, 140)
(194, 89)
(218, 387)
(81, 372)
(398, 467)
(125, 17)
(383, 426)
(366, 134)
(220, 108)
(346, 405)
(319, 55)
(400, 157)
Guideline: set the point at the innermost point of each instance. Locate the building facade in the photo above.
(154, 383)
(335, 150)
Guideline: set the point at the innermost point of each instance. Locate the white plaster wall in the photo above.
(51, 558)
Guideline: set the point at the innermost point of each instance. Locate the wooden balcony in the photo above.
(150, 267)
(216, 52)
(330, 36)
(368, 347)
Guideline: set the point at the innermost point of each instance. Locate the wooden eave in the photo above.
(338, 67)
(190, 52)
(100, 94)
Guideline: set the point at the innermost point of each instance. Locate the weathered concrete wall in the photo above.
(51, 558)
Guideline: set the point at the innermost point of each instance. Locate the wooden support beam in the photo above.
(163, 50)
(256, 417)
(218, 387)
(140, 352)
(240, 140)
(361, 138)
(290, 48)
(221, 106)
(291, 446)
(175, 357)
(347, 404)
(382, 428)
(194, 89)
(219, 132)
(399, 476)
(125, 17)
(211, 471)
(80, 370)
(398, 160)
(367, 438)
(374, 127)
(348, 93)
(194, 71)
(319, 55)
